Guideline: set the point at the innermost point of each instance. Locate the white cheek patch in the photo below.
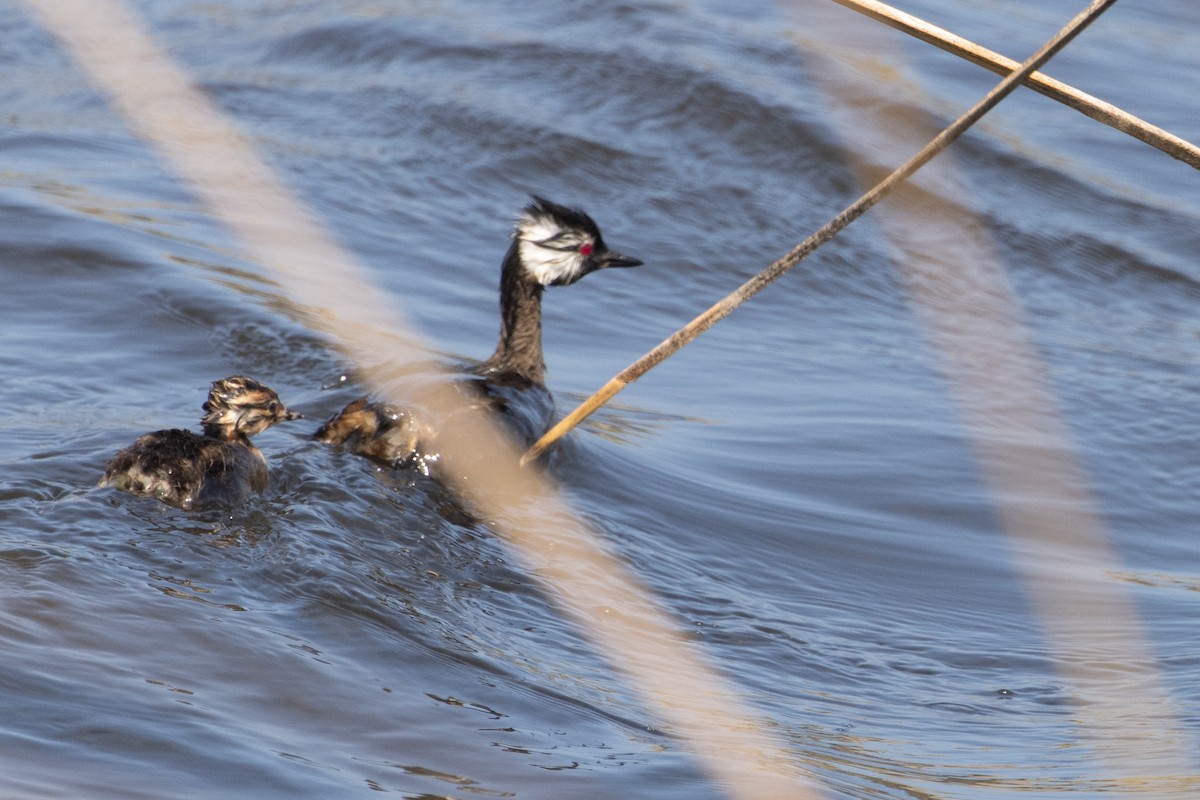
(537, 228)
(548, 265)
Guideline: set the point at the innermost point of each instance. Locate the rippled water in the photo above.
(799, 486)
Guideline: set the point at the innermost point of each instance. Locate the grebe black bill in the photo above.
(183, 468)
(553, 245)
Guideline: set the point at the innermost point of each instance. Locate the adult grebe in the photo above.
(552, 246)
(182, 468)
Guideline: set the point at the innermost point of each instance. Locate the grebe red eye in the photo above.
(585, 249)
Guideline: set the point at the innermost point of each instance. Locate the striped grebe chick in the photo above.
(220, 465)
(552, 246)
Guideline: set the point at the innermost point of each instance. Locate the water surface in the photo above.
(799, 487)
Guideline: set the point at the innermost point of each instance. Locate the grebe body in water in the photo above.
(183, 468)
(552, 245)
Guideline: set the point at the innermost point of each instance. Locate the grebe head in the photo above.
(559, 245)
(240, 407)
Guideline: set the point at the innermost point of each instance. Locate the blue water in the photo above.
(800, 487)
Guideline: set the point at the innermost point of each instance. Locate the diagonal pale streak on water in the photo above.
(959, 290)
(329, 291)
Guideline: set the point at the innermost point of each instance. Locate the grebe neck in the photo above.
(518, 352)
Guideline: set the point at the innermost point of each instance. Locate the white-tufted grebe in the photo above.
(552, 246)
(221, 466)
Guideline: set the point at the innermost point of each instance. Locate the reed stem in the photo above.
(1068, 95)
(756, 284)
